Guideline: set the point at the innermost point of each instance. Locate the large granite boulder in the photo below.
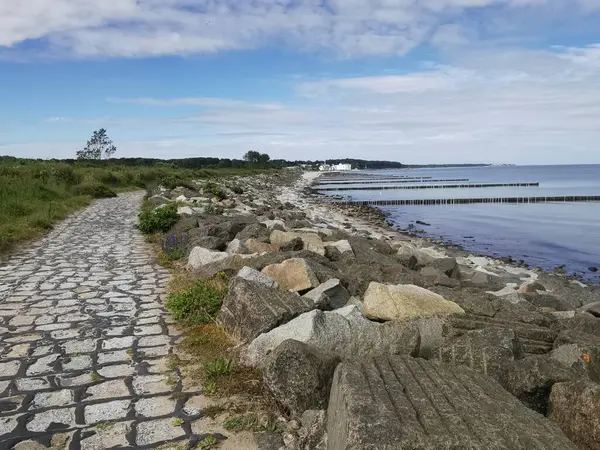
(329, 295)
(254, 231)
(338, 250)
(293, 274)
(582, 358)
(487, 351)
(257, 246)
(402, 302)
(575, 407)
(250, 274)
(208, 242)
(236, 247)
(311, 241)
(344, 332)
(533, 339)
(200, 256)
(299, 376)
(400, 403)
(250, 309)
(531, 380)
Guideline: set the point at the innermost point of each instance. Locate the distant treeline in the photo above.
(211, 163)
(215, 163)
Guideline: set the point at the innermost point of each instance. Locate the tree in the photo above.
(264, 159)
(99, 146)
(252, 157)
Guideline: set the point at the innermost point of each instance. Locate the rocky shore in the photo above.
(371, 339)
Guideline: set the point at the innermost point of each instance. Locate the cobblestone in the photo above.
(84, 337)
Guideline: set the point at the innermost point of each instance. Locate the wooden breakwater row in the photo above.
(367, 180)
(462, 201)
(427, 186)
(458, 180)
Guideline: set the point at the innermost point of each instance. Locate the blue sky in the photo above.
(417, 81)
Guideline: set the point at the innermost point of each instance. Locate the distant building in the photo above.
(335, 167)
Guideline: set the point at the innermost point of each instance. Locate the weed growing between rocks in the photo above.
(208, 443)
(200, 303)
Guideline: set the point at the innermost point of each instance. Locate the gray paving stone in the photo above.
(104, 412)
(151, 384)
(32, 384)
(153, 341)
(116, 371)
(8, 424)
(107, 389)
(107, 436)
(115, 356)
(57, 398)
(79, 346)
(42, 421)
(79, 362)
(147, 330)
(155, 406)
(155, 431)
(118, 342)
(42, 365)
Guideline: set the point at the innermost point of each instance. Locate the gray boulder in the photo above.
(584, 359)
(254, 231)
(253, 275)
(531, 380)
(294, 245)
(533, 339)
(583, 322)
(313, 434)
(487, 351)
(592, 308)
(575, 407)
(576, 337)
(417, 404)
(158, 200)
(329, 295)
(250, 309)
(200, 256)
(344, 332)
(299, 376)
(236, 247)
(208, 242)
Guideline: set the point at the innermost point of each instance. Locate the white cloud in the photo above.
(130, 28)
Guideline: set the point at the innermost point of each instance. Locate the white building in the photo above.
(335, 167)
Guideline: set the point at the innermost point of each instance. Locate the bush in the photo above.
(94, 190)
(158, 220)
(65, 174)
(199, 304)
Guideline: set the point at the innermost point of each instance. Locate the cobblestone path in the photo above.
(85, 340)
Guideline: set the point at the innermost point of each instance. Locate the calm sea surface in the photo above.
(543, 234)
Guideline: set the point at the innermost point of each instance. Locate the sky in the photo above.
(415, 81)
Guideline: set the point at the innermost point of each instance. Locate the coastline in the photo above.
(374, 220)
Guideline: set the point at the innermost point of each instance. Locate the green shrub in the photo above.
(199, 304)
(94, 190)
(64, 173)
(158, 220)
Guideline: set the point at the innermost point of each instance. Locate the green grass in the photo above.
(198, 304)
(36, 194)
(207, 443)
(218, 367)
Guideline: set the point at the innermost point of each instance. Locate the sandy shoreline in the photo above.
(330, 216)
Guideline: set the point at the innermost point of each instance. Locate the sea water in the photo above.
(544, 235)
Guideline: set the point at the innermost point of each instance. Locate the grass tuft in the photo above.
(208, 443)
(200, 303)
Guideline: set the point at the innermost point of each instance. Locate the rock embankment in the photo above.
(374, 340)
